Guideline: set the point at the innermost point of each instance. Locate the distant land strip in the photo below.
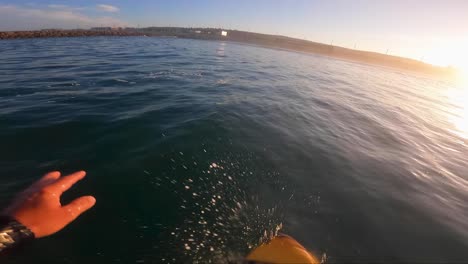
(265, 40)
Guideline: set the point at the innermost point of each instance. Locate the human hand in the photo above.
(39, 208)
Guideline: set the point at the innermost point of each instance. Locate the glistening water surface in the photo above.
(196, 149)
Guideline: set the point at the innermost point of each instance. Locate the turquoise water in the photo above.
(196, 149)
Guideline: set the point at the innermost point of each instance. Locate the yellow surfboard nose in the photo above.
(282, 249)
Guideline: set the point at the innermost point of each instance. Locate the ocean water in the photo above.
(198, 150)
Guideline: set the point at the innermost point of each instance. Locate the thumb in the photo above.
(78, 206)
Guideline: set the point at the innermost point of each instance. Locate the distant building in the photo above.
(224, 33)
(198, 31)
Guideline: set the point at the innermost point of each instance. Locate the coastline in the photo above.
(258, 39)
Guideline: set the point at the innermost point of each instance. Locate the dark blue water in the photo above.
(196, 149)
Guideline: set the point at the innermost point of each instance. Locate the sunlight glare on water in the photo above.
(459, 98)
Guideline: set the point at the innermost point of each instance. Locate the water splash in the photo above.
(223, 219)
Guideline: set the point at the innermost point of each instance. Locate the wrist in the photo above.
(13, 233)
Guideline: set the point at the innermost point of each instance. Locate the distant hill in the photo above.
(271, 41)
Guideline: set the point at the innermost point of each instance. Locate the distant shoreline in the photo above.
(263, 40)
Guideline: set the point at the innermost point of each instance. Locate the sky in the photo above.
(434, 31)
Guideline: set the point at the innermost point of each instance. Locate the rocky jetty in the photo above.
(52, 33)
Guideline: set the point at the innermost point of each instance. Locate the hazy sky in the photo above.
(434, 30)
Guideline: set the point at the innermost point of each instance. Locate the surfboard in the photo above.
(282, 249)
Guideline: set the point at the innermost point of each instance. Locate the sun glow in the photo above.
(452, 53)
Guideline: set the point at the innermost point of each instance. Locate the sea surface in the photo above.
(199, 150)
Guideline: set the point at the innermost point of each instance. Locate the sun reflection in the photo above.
(462, 125)
(459, 97)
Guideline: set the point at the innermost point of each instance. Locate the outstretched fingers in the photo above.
(46, 180)
(78, 206)
(66, 182)
(51, 176)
